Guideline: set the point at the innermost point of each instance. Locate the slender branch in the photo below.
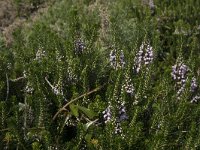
(34, 128)
(7, 81)
(17, 79)
(49, 83)
(54, 89)
(25, 117)
(7, 129)
(77, 98)
(88, 120)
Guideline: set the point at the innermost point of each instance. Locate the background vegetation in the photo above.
(71, 80)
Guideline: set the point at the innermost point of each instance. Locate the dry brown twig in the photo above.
(77, 98)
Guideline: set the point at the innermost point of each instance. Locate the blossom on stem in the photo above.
(117, 61)
(144, 57)
(29, 89)
(194, 85)
(57, 90)
(195, 99)
(107, 114)
(40, 54)
(118, 128)
(113, 58)
(79, 46)
(128, 86)
(122, 113)
(148, 57)
(179, 74)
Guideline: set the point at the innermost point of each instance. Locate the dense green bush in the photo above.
(91, 74)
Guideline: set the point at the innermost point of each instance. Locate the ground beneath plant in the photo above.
(8, 13)
(13, 16)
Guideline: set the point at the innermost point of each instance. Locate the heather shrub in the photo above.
(103, 75)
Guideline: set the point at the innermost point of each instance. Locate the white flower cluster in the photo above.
(194, 85)
(118, 128)
(193, 89)
(121, 116)
(148, 57)
(79, 46)
(71, 76)
(40, 54)
(117, 61)
(25, 74)
(143, 57)
(195, 99)
(59, 57)
(57, 90)
(179, 74)
(29, 89)
(128, 86)
(107, 114)
(113, 58)
(122, 113)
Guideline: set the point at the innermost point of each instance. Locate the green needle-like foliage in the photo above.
(95, 74)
